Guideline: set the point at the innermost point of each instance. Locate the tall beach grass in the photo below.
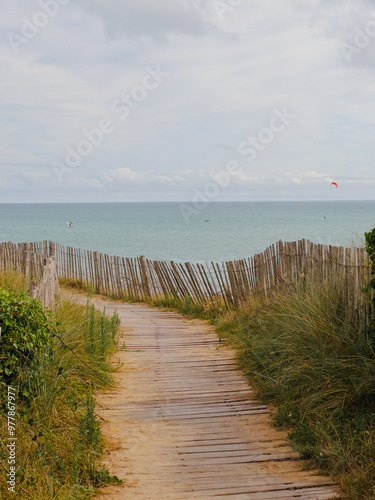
(59, 444)
(309, 359)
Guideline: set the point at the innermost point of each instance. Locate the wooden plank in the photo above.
(126, 278)
(183, 401)
(194, 283)
(220, 282)
(145, 278)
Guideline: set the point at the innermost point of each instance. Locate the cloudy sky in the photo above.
(172, 100)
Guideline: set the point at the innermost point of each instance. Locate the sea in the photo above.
(173, 231)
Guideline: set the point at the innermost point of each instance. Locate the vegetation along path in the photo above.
(183, 422)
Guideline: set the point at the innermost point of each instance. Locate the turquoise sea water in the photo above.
(221, 231)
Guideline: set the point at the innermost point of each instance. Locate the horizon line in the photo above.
(181, 202)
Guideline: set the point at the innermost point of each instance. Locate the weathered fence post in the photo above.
(26, 264)
(97, 271)
(47, 288)
(145, 278)
(51, 248)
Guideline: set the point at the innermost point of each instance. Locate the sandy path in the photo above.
(183, 423)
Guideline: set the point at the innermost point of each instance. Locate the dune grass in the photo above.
(59, 443)
(316, 367)
(75, 284)
(210, 310)
(12, 280)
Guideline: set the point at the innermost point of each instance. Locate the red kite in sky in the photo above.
(334, 184)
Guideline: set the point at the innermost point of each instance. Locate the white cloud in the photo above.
(316, 175)
(149, 19)
(367, 182)
(127, 174)
(95, 183)
(226, 76)
(296, 180)
(124, 173)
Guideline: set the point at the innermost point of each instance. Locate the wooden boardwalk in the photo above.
(184, 424)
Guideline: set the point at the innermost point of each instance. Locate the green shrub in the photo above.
(25, 338)
(61, 359)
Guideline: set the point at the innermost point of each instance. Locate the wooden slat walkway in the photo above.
(184, 423)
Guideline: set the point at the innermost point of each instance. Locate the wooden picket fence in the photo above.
(40, 269)
(22, 258)
(228, 282)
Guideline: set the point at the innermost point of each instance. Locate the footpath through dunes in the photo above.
(183, 423)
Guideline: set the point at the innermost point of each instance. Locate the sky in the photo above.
(187, 100)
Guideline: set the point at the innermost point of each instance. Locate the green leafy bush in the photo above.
(56, 361)
(25, 338)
